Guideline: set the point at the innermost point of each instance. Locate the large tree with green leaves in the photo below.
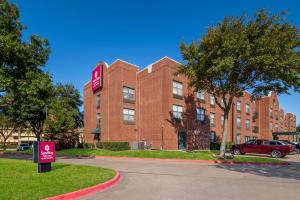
(22, 98)
(258, 54)
(64, 115)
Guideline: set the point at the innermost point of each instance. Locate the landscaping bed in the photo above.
(19, 179)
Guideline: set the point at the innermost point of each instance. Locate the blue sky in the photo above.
(84, 32)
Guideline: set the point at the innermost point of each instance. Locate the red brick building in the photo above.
(156, 106)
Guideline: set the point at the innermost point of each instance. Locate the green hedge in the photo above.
(217, 145)
(112, 146)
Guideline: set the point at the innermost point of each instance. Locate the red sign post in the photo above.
(97, 77)
(44, 155)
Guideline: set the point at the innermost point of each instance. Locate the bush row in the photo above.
(217, 145)
(112, 146)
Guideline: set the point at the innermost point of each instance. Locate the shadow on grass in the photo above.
(291, 171)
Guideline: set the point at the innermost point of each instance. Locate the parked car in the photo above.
(23, 147)
(295, 144)
(274, 148)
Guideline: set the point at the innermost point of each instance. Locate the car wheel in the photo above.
(276, 154)
(237, 151)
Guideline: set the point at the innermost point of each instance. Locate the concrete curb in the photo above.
(89, 190)
(198, 161)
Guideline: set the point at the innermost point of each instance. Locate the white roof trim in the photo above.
(165, 57)
(124, 62)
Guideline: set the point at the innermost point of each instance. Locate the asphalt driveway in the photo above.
(144, 179)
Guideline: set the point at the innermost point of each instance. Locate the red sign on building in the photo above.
(46, 152)
(97, 77)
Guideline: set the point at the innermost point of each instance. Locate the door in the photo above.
(250, 147)
(181, 140)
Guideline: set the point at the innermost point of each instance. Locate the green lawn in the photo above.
(9, 146)
(19, 179)
(196, 155)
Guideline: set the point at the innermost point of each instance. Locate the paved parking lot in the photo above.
(144, 179)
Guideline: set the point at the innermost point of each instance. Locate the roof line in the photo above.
(125, 62)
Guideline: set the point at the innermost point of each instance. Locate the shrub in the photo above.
(113, 146)
(88, 145)
(217, 145)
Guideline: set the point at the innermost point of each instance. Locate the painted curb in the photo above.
(198, 161)
(89, 190)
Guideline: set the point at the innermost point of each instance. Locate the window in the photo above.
(238, 138)
(212, 99)
(200, 114)
(98, 100)
(248, 123)
(238, 122)
(276, 127)
(177, 88)
(128, 93)
(271, 112)
(238, 106)
(201, 94)
(212, 118)
(247, 138)
(98, 119)
(128, 115)
(177, 111)
(213, 136)
(222, 120)
(271, 126)
(247, 108)
(254, 138)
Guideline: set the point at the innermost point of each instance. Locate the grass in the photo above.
(194, 155)
(9, 146)
(19, 179)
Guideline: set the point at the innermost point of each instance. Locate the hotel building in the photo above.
(123, 103)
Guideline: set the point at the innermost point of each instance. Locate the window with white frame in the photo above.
(177, 88)
(201, 94)
(238, 105)
(247, 108)
(177, 111)
(271, 126)
(128, 93)
(128, 114)
(238, 122)
(200, 114)
(222, 120)
(212, 99)
(212, 118)
(248, 123)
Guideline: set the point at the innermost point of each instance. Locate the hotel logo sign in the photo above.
(97, 77)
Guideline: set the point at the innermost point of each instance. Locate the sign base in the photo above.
(44, 167)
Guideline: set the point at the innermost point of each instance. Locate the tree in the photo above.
(30, 106)
(20, 70)
(7, 128)
(64, 115)
(257, 54)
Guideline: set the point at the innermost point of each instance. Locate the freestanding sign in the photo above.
(97, 77)
(44, 155)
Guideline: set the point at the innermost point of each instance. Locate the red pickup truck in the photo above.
(276, 149)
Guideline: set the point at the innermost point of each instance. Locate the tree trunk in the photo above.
(224, 135)
(4, 144)
(19, 136)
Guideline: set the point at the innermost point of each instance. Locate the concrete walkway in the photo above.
(170, 180)
(167, 180)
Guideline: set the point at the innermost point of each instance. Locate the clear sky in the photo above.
(84, 32)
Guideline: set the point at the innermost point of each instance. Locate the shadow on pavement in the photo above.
(291, 171)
